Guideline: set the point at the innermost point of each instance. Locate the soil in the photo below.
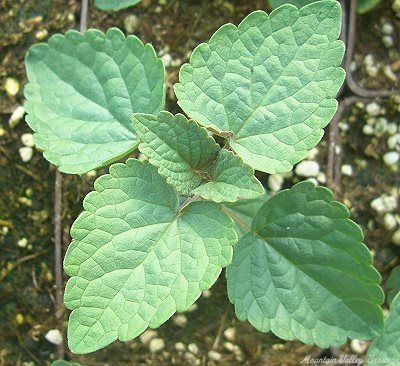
(26, 190)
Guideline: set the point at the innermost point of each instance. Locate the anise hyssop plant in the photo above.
(155, 234)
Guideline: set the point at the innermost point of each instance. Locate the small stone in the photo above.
(394, 141)
(391, 158)
(206, 294)
(12, 87)
(353, 66)
(166, 59)
(19, 318)
(16, 116)
(307, 168)
(230, 334)
(373, 109)
(312, 154)
(25, 153)
(391, 128)
(359, 347)
(388, 41)
(387, 28)
(54, 336)
(369, 60)
(380, 127)
(180, 320)
(192, 308)
(396, 7)
(396, 237)
(41, 34)
(368, 130)
(27, 139)
(275, 182)
(131, 23)
(193, 348)
(372, 71)
(347, 169)
(321, 177)
(214, 355)
(389, 221)
(22, 243)
(156, 345)
(384, 204)
(180, 347)
(388, 72)
(147, 336)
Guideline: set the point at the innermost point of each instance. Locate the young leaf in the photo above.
(304, 273)
(271, 82)
(385, 350)
(115, 4)
(230, 180)
(82, 90)
(364, 6)
(136, 257)
(179, 148)
(243, 212)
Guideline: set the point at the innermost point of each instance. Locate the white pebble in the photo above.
(307, 168)
(25, 153)
(131, 23)
(230, 334)
(166, 59)
(358, 346)
(156, 345)
(391, 158)
(369, 60)
(394, 141)
(384, 204)
(147, 335)
(179, 346)
(389, 221)
(214, 355)
(22, 243)
(387, 28)
(192, 308)
(391, 128)
(312, 154)
(12, 87)
(368, 130)
(54, 336)
(396, 237)
(27, 139)
(347, 169)
(275, 182)
(388, 41)
(41, 34)
(373, 109)
(180, 320)
(16, 116)
(388, 72)
(206, 294)
(372, 71)
(321, 177)
(193, 348)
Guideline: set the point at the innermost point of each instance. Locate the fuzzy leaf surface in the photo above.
(115, 4)
(385, 350)
(304, 273)
(230, 180)
(180, 149)
(269, 84)
(136, 257)
(82, 90)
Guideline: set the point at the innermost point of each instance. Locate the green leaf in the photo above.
(231, 180)
(304, 273)
(115, 4)
(82, 91)
(299, 3)
(393, 285)
(363, 6)
(269, 84)
(179, 148)
(137, 257)
(385, 350)
(243, 212)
